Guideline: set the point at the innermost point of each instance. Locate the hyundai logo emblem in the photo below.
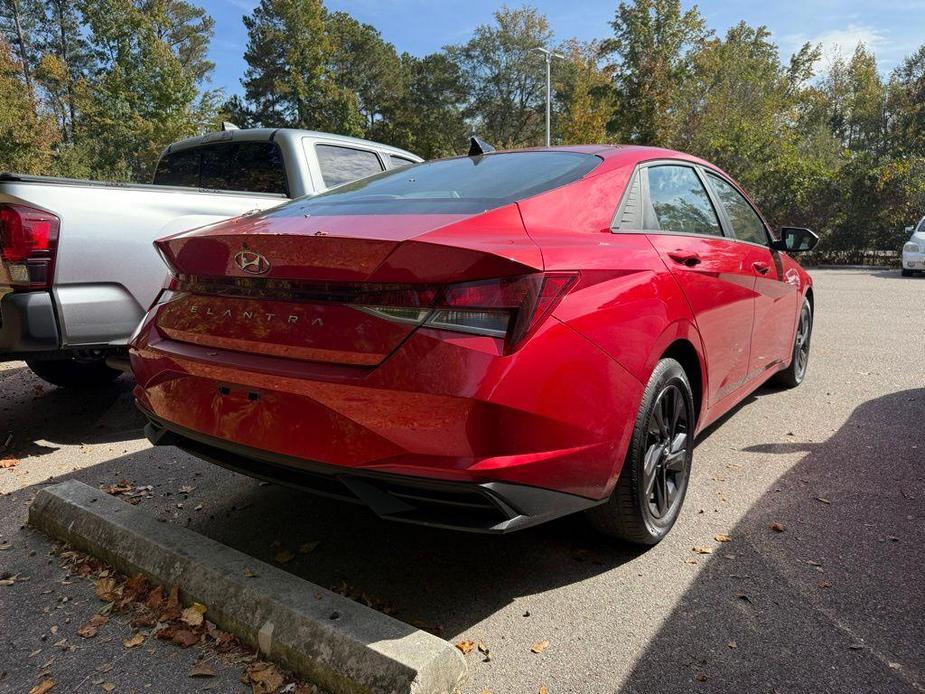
(251, 262)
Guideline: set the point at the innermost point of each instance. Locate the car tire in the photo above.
(70, 373)
(794, 374)
(649, 494)
(906, 273)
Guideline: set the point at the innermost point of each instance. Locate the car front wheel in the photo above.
(650, 492)
(794, 374)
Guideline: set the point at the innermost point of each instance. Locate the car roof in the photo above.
(616, 155)
(276, 134)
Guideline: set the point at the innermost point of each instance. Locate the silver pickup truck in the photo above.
(77, 266)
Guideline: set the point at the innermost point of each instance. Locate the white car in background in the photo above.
(914, 250)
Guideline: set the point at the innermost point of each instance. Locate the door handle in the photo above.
(688, 258)
(761, 267)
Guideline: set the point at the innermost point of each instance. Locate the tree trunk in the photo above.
(62, 29)
(23, 54)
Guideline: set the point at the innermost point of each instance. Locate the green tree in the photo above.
(906, 105)
(856, 99)
(143, 96)
(26, 139)
(365, 65)
(584, 94)
(290, 78)
(426, 118)
(650, 48)
(505, 78)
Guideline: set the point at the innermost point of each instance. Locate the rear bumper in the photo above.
(27, 325)
(489, 507)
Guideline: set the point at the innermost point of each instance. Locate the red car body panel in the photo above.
(322, 382)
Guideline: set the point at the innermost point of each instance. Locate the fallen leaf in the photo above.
(690, 560)
(42, 686)
(250, 574)
(106, 589)
(777, 527)
(108, 686)
(465, 646)
(265, 678)
(186, 489)
(185, 638)
(702, 550)
(308, 547)
(543, 689)
(732, 644)
(200, 669)
(284, 556)
(743, 596)
(135, 640)
(823, 500)
(90, 629)
(6, 464)
(539, 646)
(722, 538)
(4, 546)
(192, 615)
(155, 598)
(700, 677)
(824, 584)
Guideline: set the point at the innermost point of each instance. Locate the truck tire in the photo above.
(70, 373)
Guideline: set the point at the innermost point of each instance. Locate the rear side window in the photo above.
(396, 161)
(746, 224)
(678, 202)
(254, 167)
(341, 165)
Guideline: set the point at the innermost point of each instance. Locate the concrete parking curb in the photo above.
(328, 639)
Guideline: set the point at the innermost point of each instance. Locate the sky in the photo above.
(892, 29)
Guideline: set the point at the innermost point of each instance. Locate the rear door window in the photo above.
(341, 165)
(746, 224)
(678, 202)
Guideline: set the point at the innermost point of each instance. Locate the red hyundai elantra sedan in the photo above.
(483, 342)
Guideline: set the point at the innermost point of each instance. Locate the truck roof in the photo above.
(274, 134)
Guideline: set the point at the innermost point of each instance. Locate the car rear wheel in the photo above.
(794, 374)
(650, 492)
(71, 373)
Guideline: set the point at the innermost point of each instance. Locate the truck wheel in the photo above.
(906, 273)
(70, 373)
(649, 494)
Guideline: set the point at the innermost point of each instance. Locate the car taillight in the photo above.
(28, 244)
(508, 307)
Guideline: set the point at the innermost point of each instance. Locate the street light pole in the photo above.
(549, 55)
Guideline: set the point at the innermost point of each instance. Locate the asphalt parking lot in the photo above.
(830, 601)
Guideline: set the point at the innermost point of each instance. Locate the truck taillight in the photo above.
(28, 244)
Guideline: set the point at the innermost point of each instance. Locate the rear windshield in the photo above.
(254, 167)
(462, 185)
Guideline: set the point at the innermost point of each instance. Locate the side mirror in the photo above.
(795, 240)
(909, 230)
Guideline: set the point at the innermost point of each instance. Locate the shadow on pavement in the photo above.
(33, 411)
(834, 601)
